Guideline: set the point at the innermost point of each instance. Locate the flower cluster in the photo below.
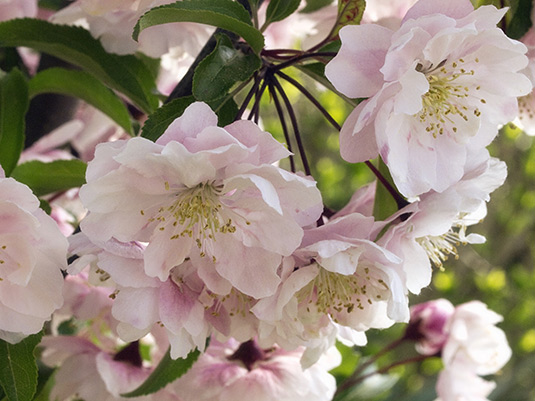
(201, 234)
(468, 341)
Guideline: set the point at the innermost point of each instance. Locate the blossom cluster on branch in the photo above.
(191, 237)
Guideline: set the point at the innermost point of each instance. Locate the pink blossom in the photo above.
(32, 253)
(113, 23)
(229, 371)
(435, 225)
(205, 193)
(428, 324)
(92, 374)
(457, 383)
(475, 341)
(10, 9)
(438, 87)
(341, 279)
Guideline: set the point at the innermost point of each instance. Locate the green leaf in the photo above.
(13, 107)
(45, 178)
(158, 121)
(226, 112)
(226, 14)
(18, 370)
(314, 5)
(75, 45)
(277, 10)
(221, 69)
(168, 370)
(84, 86)
(349, 13)
(520, 21)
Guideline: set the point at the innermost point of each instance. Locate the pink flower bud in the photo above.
(428, 325)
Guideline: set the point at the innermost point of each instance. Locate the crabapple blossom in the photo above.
(342, 278)
(113, 22)
(93, 374)
(427, 325)
(458, 383)
(32, 254)
(474, 340)
(228, 371)
(435, 225)
(526, 104)
(10, 9)
(206, 193)
(468, 341)
(438, 89)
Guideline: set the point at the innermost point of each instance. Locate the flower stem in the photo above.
(293, 120)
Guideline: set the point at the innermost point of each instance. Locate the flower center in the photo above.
(447, 103)
(525, 107)
(195, 212)
(440, 247)
(335, 293)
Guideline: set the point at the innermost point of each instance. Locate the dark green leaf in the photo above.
(226, 112)
(18, 370)
(314, 5)
(75, 45)
(168, 370)
(84, 86)
(158, 121)
(279, 9)
(221, 69)
(13, 106)
(45, 178)
(520, 21)
(226, 14)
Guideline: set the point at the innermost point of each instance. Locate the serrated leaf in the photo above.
(221, 69)
(226, 14)
(45, 178)
(158, 121)
(168, 370)
(18, 370)
(82, 85)
(75, 45)
(349, 13)
(277, 10)
(13, 107)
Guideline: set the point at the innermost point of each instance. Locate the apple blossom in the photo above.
(229, 371)
(113, 22)
(202, 192)
(341, 278)
(458, 383)
(439, 87)
(32, 254)
(474, 340)
(90, 373)
(436, 224)
(427, 325)
(10, 9)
